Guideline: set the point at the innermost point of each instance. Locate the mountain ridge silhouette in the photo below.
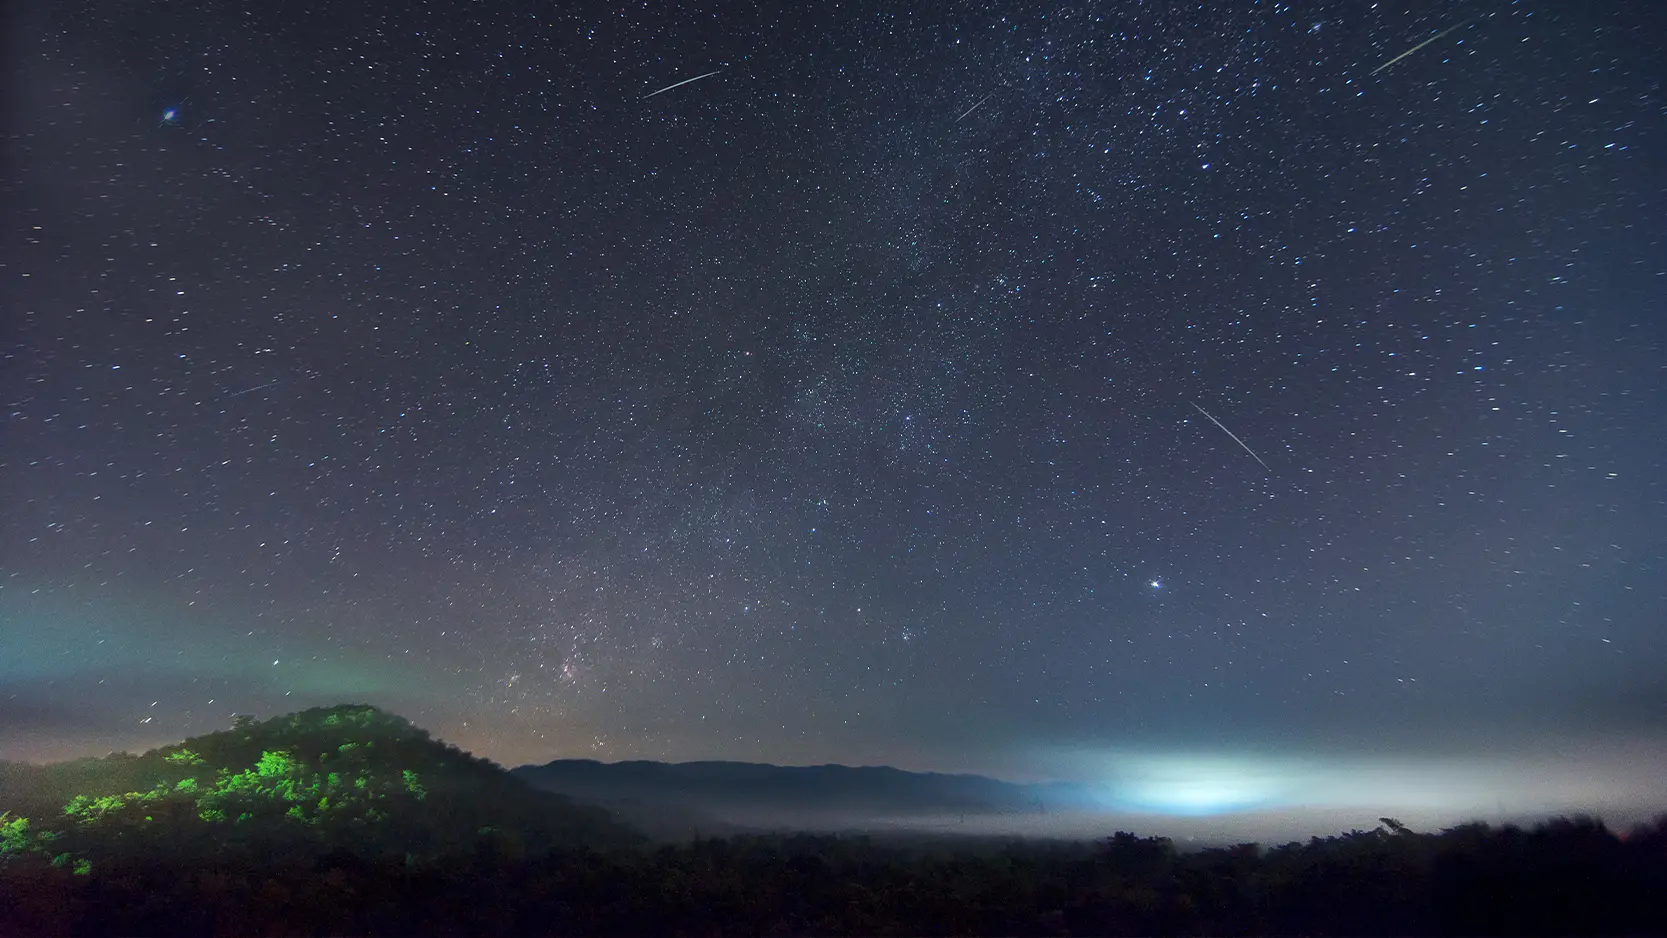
(719, 787)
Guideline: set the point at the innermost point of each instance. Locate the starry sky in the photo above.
(1035, 389)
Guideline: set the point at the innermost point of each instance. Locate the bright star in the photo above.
(170, 114)
(1156, 584)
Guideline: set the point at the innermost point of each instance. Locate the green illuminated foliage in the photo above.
(183, 757)
(246, 780)
(14, 834)
(274, 764)
(109, 803)
(87, 810)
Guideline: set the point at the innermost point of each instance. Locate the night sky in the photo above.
(1051, 390)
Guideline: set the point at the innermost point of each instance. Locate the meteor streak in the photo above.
(687, 80)
(1235, 437)
(973, 108)
(1415, 49)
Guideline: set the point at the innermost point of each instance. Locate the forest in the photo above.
(349, 820)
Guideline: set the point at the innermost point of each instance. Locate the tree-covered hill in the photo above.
(348, 778)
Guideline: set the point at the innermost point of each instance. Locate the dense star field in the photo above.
(1200, 398)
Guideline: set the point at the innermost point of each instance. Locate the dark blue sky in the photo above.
(847, 404)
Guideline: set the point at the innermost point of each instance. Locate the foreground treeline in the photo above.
(1564, 877)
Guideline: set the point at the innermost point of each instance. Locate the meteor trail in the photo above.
(1235, 438)
(1415, 49)
(973, 108)
(687, 80)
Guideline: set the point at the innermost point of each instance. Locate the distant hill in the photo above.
(351, 778)
(763, 795)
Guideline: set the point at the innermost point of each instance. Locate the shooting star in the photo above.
(1419, 46)
(251, 390)
(974, 107)
(1235, 437)
(681, 84)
